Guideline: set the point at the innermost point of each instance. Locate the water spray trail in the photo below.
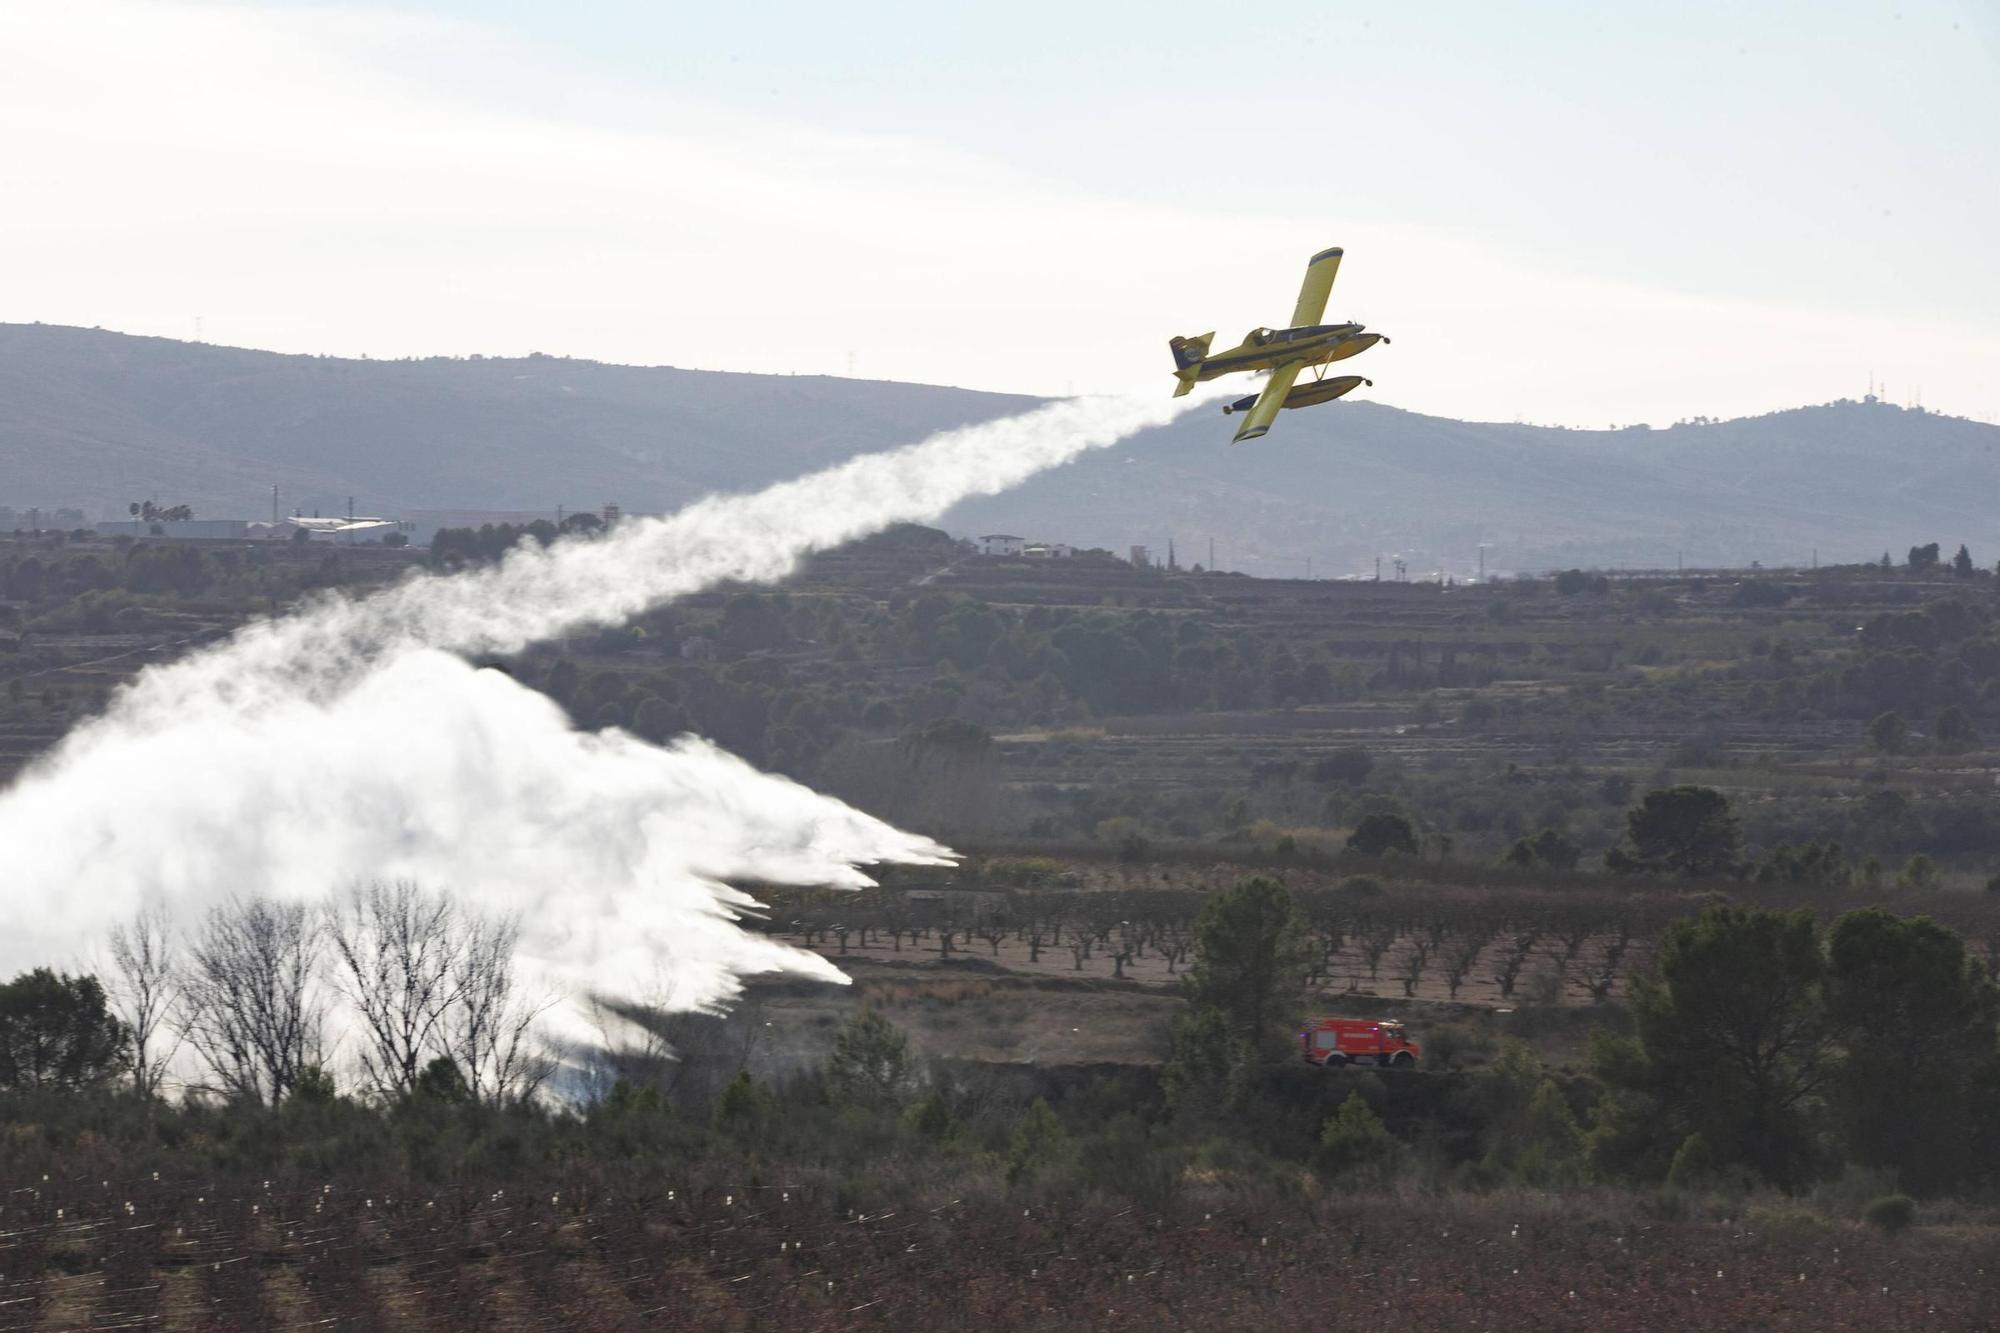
(539, 593)
(347, 742)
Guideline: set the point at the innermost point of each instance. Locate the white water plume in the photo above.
(346, 742)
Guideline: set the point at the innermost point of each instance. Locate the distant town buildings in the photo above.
(1000, 543)
(1142, 557)
(40, 520)
(342, 531)
(179, 529)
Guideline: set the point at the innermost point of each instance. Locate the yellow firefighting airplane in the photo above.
(1283, 352)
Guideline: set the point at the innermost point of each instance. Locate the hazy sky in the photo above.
(1570, 212)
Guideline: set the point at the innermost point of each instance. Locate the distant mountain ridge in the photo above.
(95, 419)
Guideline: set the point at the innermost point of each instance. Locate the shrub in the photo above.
(740, 1108)
(1038, 1142)
(1452, 1045)
(1354, 1141)
(1892, 1213)
(1789, 1220)
(930, 1118)
(1381, 833)
(871, 1064)
(1693, 1166)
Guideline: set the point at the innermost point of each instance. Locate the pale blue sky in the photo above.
(1760, 150)
(1563, 211)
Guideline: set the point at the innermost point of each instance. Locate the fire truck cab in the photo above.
(1331, 1042)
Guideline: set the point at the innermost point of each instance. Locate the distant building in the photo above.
(1048, 551)
(35, 519)
(340, 531)
(178, 529)
(1142, 557)
(1000, 543)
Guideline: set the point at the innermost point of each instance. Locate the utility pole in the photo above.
(274, 503)
(1378, 569)
(1482, 562)
(1211, 555)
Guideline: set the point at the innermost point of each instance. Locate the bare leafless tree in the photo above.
(489, 1029)
(253, 1007)
(145, 992)
(397, 950)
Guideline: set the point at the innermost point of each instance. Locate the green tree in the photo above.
(1551, 1151)
(1038, 1142)
(1383, 832)
(1730, 1040)
(930, 1118)
(1693, 1166)
(442, 1081)
(56, 1031)
(1924, 557)
(1889, 733)
(1961, 564)
(1253, 949)
(750, 623)
(561, 683)
(656, 719)
(1916, 1017)
(741, 1108)
(1349, 764)
(1683, 830)
(1206, 1073)
(1354, 1142)
(871, 1064)
(1918, 875)
(1548, 849)
(1953, 727)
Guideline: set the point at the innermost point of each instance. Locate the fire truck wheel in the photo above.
(1334, 1060)
(1404, 1059)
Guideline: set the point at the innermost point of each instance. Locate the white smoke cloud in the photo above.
(347, 742)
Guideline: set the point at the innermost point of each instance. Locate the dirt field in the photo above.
(184, 1257)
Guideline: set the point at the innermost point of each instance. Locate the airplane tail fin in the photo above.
(1188, 353)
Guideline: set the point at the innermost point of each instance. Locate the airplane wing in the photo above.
(1265, 410)
(1318, 286)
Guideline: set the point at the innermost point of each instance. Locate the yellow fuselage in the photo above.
(1267, 349)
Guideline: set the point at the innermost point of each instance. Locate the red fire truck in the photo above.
(1331, 1042)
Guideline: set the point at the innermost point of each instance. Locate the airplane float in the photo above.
(1285, 353)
